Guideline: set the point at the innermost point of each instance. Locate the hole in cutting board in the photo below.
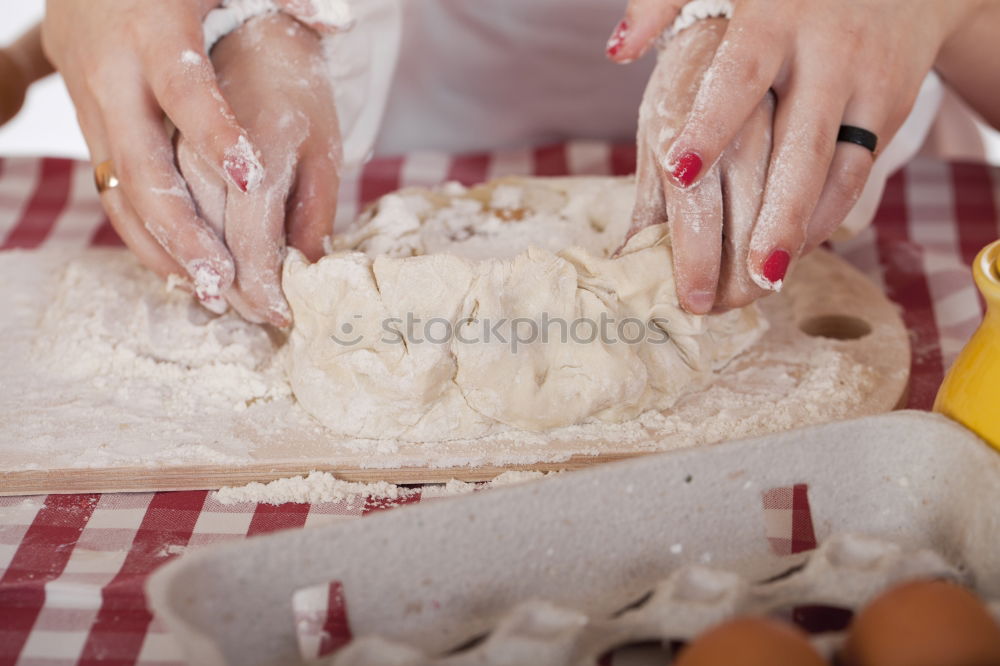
(836, 327)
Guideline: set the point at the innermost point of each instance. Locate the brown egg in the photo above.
(751, 641)
(923, 623)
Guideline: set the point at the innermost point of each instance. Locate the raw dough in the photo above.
(426, 321)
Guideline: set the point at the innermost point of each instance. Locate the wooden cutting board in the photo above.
(837, 349)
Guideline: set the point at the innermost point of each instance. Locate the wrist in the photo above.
(282, 33)
(328, 15)
(963, 15)
(969, 60)
(971, 22)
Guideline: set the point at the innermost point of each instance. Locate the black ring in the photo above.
(856, 135)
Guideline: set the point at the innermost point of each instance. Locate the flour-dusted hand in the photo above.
(828, 63)
(273, 74)
(127, 65)
(710, 225)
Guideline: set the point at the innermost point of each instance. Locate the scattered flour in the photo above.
(320, 487)
(312, 489)
(113, 326)
(105, 368)
(189, 57)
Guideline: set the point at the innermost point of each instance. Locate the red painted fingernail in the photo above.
(617, 39)
(242, 165)
(775, 266)
(215, 304)
(686, 169)
(239, 173)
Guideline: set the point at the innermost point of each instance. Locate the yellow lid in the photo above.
(971, 390)
(986, 270)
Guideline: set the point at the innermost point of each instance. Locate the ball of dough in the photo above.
(457, 313)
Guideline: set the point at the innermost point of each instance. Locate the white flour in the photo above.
(114, 326)
(324, 487)
(102, 367)
(312, 489)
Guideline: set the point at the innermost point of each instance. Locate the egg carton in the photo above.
(562, 570)
(846, 572)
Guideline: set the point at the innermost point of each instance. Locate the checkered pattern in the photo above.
(72, 567)
(322, 624)
(788, 520)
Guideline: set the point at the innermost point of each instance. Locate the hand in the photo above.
(828, 64)
(282, 95)
(710, 225)
(127, 63)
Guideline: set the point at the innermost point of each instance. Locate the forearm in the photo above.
(969, 60)
(27, 53)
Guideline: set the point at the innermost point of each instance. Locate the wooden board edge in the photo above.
(143, 479)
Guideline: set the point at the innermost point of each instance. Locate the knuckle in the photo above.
(799, 215)
(97, 81)
(751, 72)
(797, 212)
(125, 161)
(173, 83)
(824, 138)
(849, 181)
(852, 38)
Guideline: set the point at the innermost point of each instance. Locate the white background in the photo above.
(47, 125)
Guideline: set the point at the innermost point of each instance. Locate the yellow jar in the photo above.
(970, 393)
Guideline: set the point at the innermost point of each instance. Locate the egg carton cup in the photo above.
(562, 570)
(845, 572)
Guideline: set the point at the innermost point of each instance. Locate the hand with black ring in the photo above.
(828, 64)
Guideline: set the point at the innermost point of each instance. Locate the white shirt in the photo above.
(482, 75)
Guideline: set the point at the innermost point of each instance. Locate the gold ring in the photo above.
(105, 177)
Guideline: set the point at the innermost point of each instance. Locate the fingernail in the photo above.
(207, 281)
(239, 174)
(280, 314)
(686, 169)
(215, 304)
(617, 39)
(242, 166)
(774, 268)
(700, 302)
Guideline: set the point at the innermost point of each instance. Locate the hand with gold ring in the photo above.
(127, 64)
(105, 177)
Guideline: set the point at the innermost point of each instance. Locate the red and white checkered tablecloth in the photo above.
(72, 567)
